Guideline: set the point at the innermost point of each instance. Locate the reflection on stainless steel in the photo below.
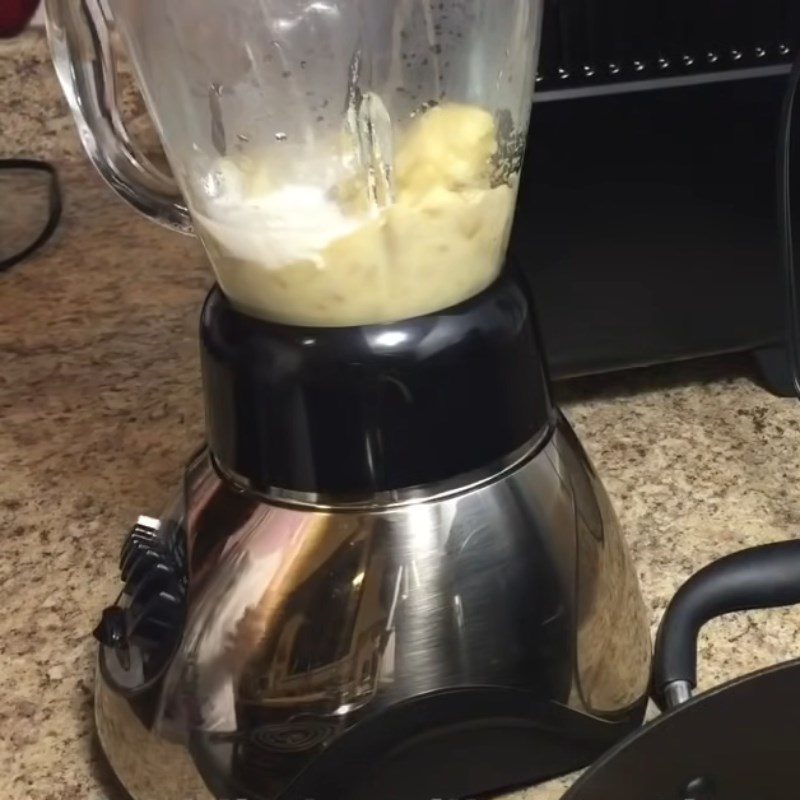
(148, 765)
(302, 623)
(612, 657)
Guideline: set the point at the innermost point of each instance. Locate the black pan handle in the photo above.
(760, 577)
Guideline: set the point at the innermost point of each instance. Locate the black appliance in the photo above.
(647, 221)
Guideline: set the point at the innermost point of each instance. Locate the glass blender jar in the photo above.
(344, 162)
(393, 557)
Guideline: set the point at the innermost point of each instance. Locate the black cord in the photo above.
(54, 206)
(785, 225)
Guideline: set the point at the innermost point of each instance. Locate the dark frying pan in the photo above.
(740, 741)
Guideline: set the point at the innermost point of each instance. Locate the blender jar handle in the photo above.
(80, 41)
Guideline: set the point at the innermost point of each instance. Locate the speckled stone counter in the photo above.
(99, 407)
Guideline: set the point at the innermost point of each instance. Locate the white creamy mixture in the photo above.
(316, 255)
(289, 225)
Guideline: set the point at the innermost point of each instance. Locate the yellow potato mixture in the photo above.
(304, 257)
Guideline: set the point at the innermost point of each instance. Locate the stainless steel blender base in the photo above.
(266, 650)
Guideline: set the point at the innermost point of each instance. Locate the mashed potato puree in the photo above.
(305, 255)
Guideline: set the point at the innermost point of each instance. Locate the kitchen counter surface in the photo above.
(99, 407)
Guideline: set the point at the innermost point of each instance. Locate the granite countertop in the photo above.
(100, 406)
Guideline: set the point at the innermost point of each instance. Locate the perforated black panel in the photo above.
(601, 42)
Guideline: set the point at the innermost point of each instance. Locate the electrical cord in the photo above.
(53, 210)
(786, 234)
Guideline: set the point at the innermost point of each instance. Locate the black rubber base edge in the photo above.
(455, 744)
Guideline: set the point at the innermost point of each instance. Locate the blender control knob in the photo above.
(143, 535)
(157, 620)
(140, 560)
(112, 630)
(144, 625)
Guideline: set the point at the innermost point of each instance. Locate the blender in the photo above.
(392, 571)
